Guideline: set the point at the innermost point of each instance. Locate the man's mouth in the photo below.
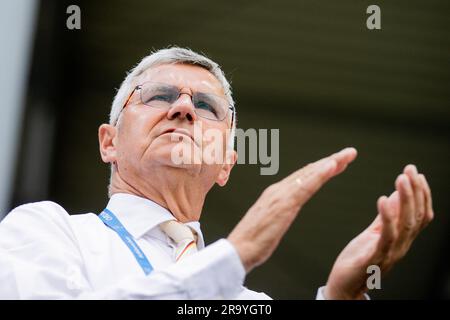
(180, 131)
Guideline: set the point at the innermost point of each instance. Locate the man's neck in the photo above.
(181, 195)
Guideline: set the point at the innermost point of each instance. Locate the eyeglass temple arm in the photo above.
(129, 97)
(232, 115)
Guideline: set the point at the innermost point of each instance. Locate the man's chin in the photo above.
(166, 156)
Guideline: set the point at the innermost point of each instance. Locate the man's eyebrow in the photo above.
(165, 87)
(206, 95)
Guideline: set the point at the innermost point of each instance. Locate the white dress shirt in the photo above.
(45, 253)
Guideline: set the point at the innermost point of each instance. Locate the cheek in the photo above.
(215, 135)
(214, 141)
(136, 131)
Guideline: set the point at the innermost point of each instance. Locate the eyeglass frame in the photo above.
(139, 87)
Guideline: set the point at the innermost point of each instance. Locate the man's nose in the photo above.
(183, 108)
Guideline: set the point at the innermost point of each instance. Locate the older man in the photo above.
(147, 243)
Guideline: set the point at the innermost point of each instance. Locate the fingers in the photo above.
(422, 196)
(311, 178)
(403, 215)
(388, 227)
(429, 214)
(419, 195)
(343, 158)
(308, 182)
(394, 204)
(407, 203)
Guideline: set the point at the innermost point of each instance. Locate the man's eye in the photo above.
(160, 97)
(205, 106)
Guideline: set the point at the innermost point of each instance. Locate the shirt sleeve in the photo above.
(215, 272)
(247, 294)
(40, 259)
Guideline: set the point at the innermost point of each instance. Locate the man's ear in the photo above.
(225, 171)
(106, 139)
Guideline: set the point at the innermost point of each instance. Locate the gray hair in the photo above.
(171, 55)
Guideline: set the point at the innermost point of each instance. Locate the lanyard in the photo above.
(112, 222)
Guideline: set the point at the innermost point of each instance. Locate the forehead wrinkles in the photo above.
(208, 85)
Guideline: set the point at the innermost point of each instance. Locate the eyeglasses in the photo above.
(163, 96)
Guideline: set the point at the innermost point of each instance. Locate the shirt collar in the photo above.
(141, 216)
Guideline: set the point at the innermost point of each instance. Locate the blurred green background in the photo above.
(311, 69)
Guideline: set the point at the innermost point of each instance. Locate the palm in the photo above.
(400, 218)
(351, 265)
